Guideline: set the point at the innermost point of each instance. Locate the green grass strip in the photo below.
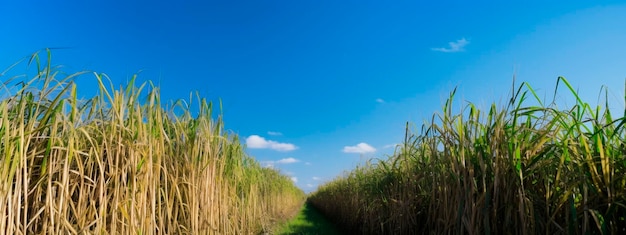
(309, 221)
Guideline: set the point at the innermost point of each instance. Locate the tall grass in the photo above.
(521, 169)
(120, 163)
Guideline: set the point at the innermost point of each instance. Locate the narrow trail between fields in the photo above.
(309, 221)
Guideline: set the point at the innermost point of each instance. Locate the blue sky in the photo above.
(314, 87)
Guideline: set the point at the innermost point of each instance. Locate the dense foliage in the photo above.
(120, 163)
(521, 169)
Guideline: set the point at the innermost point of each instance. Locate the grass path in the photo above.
(309, 221)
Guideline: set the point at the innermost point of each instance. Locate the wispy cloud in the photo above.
(316, 178)
(294, 179)
(379, 100)
(288, 160)
(258, 142)
(307, 163)
(274, 133)
(271, 164)
(310, 185)
(359, 148)
(457, 46)
(390, 146)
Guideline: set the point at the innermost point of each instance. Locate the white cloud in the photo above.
(267, 164)
(287, 160)
(294, 179)
(274, 133)
(316, 178)
(359, 148)
(258, 142)
(271, 164)
(307, 163)
(390, 146)
(310, 185)
(457, 46)
(379, 100)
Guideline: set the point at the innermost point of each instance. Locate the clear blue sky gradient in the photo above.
(327, 74)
